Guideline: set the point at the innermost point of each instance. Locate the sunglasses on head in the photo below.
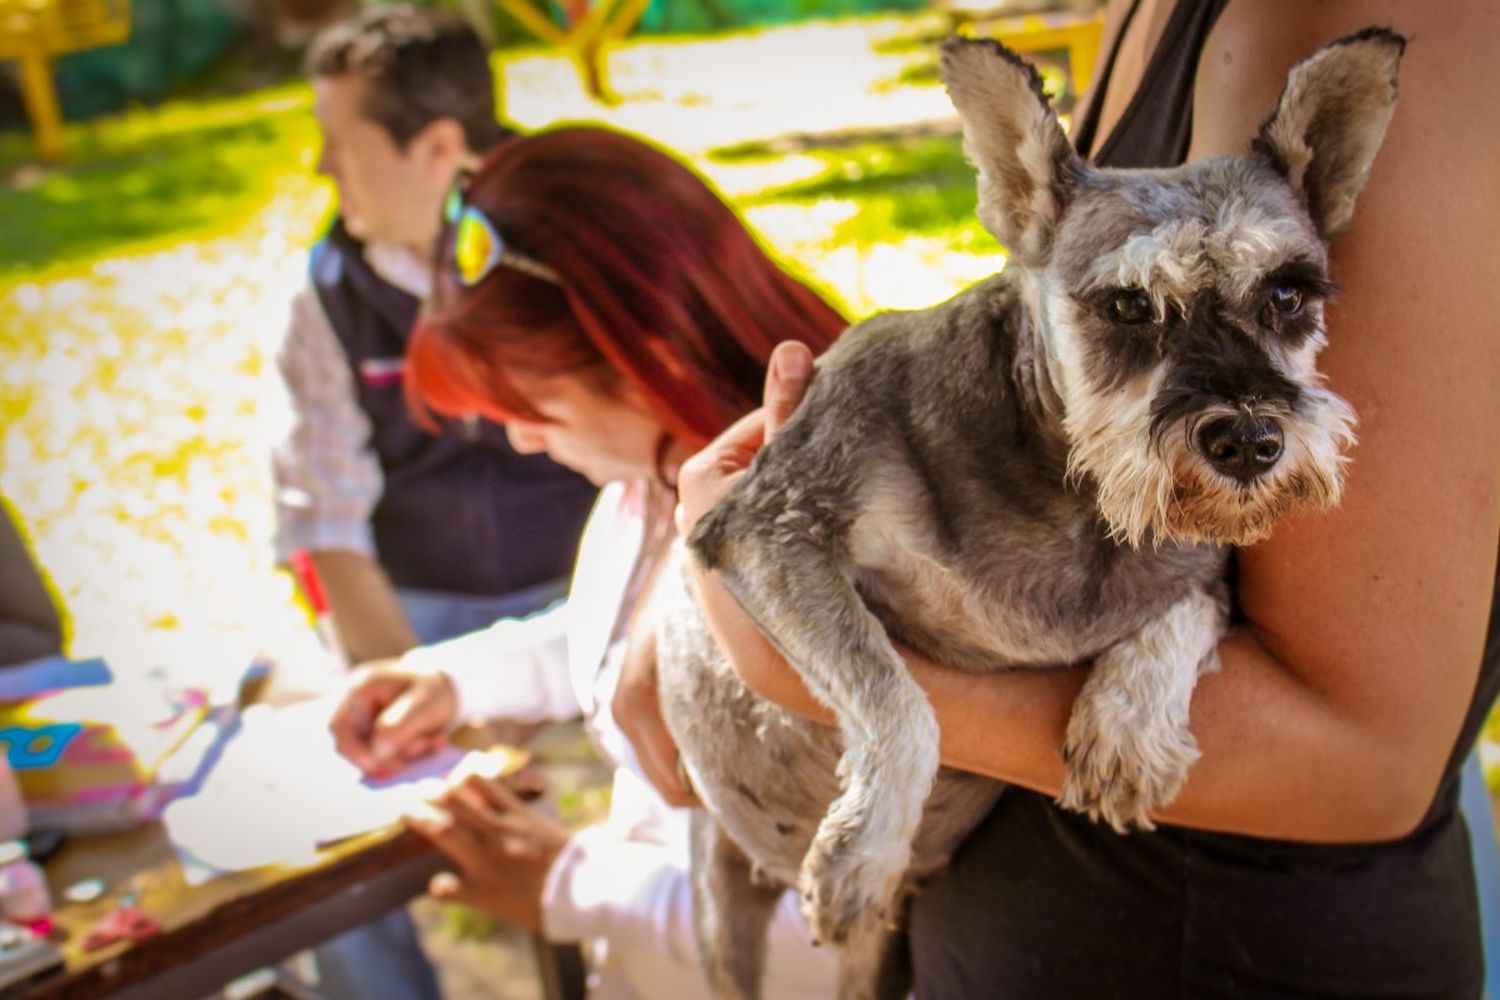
(478, 247)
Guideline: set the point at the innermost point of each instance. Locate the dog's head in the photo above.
(1179, 312)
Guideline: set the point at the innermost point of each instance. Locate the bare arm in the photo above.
(365, 610)
(1338, 705)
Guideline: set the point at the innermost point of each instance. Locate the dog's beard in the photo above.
(1165, 491)
(1113, 447)
(1310, 477)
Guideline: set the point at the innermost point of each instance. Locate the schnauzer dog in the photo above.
(1045, 470)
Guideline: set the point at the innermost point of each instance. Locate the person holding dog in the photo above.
(1317, 847)
(599, 299)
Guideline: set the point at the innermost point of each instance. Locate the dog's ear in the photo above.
(1027, 167)
(1330, 121)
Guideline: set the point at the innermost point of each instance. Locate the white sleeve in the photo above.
(327, 479)
(639, 895)
(516, 669)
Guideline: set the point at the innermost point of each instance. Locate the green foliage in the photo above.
(917, 185)
(171, 42)
(694, 16)
(493, 22)
(147, 176)
(464, 923)
(204, 167)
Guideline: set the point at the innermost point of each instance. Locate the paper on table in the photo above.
(280, 790)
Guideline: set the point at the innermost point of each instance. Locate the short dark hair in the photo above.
(423, 65)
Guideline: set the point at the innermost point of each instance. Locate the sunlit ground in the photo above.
(143, 290)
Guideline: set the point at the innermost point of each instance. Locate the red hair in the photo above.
(660, 283)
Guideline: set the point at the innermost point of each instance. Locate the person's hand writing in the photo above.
(391, 715)
(502, 848)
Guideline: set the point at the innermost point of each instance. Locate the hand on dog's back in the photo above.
(708, 476)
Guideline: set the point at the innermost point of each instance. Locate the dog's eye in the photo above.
(1286, 299)
(1131, 307)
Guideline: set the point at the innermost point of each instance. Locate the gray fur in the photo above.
(1015, 479)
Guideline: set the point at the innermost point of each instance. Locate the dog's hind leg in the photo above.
(732, 907)
(874, 963)
(1128, 748)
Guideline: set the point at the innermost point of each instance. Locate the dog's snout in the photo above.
(1242, 446)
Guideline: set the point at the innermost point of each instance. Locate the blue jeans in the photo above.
(436, 616)
(1474, 800)
(384, 958)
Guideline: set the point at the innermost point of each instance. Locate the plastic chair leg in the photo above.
(40, 95)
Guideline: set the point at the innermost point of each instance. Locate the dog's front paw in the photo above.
(845, 886)
(1121, 766)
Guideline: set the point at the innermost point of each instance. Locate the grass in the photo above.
(148, 178)
(903, 186)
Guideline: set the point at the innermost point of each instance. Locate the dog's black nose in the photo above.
(1241, 447)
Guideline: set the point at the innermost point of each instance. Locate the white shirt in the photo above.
(623, 887)
(327, 478)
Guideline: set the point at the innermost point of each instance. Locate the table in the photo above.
(236, 924)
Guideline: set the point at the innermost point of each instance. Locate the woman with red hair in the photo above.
(599, 299)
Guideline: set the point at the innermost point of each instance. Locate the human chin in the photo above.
(603, 471)
(593, 470)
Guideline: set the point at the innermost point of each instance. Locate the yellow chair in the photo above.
(1035, 26)
(605, 22)
(34, 32)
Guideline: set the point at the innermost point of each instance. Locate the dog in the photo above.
(1046, 470)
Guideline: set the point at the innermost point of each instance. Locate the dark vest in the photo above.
(1040, 903)
(461, 511)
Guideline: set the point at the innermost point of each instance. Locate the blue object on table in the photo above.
(24, 681)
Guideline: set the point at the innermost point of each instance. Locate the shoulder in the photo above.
(1446, 75)
(310, 356)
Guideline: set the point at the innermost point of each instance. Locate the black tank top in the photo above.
(1157, 124)
(1041, 903)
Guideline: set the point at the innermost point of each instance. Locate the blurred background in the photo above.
(157, 199)
(153, 231)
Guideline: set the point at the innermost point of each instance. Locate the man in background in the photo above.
(415, 536)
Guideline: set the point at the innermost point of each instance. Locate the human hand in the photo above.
(501, 847)
(708, 476)
(705, 479)
(391, 715)
(637, 710)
